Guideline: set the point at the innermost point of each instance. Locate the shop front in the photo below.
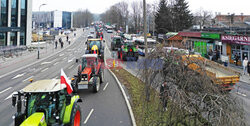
(237, 45)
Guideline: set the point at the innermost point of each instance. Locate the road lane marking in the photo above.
(9, 96)
(45, 63)
(53, 60)
(242, 94)
(56, 63)
(28, 78)
(86, 120)
(71, 60)
(5, 90)
(70, 67)
(17, 76)
(61, 54)
(106, 86)
(44, 69)
(64, 58)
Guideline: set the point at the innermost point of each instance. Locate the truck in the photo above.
(46, 102)
(90, 73)
(219, 74)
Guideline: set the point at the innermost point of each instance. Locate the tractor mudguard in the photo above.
(36, 119)
(69, 108)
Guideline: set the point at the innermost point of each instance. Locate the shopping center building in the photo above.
(15, 22)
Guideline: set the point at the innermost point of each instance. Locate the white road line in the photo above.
(71, 60)
(70, 67)
(45, 63)
(64, 58)
(244, 95)
(61, 54)
(106, 86)
(9, 96)
(5, 90)
(86, 120)
(28, 78)
(56, 63)
(53, 60)
(19, 75)
(44, 69)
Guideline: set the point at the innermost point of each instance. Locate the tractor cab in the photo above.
(46, 102)
(95, 46)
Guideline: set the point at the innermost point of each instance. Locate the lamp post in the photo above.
(39, 33)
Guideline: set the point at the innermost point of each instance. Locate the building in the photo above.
(52, 19)
(15, 22)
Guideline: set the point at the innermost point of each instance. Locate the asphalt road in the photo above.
(105, 108)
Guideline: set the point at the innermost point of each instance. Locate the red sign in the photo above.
(190, 34)
(242, 40)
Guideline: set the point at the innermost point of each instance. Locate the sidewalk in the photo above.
(27, 57)
(243, 78)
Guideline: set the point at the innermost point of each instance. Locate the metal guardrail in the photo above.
(10, 51)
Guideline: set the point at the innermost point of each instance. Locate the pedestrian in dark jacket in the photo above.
(236, 59)
(67, 38)
(56, 44)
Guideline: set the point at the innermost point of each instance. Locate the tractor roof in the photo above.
(44, 86)
(94, 39)
(90, 55)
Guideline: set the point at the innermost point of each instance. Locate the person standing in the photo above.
(245, 64)
(236, 59)
(210, 54)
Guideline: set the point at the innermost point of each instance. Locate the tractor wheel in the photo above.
(136, 58)
(96, 84)
(102, 76)
(76, 116)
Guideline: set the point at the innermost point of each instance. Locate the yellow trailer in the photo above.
(218, 73)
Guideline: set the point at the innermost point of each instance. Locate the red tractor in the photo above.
(90, 73)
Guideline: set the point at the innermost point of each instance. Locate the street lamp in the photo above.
(39, 33)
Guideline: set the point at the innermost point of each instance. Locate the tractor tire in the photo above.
(96, 84)
(136, 58)
(101, 76)
(76, 117)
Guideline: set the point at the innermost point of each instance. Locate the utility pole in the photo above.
(38, 51)
(146, 51)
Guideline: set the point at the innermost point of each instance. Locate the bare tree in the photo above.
(191, 97)
(203, 18)
(82, 18)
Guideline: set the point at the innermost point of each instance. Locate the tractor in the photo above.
(46, 102)
(90, 73)
(128, 50)
(95, 46)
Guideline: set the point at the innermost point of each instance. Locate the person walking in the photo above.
(248, 68)
(56, 44)
(67, 38)
(245, 64)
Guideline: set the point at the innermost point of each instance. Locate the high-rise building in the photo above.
(15, 22)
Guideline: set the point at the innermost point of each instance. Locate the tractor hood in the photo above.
(36, 119)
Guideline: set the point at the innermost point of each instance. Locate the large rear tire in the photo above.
(76, 116)
(96, 84)
(75, 85)
(102, 76)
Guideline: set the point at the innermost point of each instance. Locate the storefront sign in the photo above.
(210, 35)
(242, 40)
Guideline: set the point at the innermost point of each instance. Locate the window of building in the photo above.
(22, 38)
(14, 10)
(23, 12)
(3, 41)
(13, 38)
(4, 15)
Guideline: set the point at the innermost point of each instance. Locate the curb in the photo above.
(126, 99)
(34, 62)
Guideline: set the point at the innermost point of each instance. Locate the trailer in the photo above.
(218, 73)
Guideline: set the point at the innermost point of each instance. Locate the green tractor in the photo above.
(128, 51)
(46, 102)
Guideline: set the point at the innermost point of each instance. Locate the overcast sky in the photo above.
(99, 6)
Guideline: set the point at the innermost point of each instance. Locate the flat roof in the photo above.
(51, 85)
